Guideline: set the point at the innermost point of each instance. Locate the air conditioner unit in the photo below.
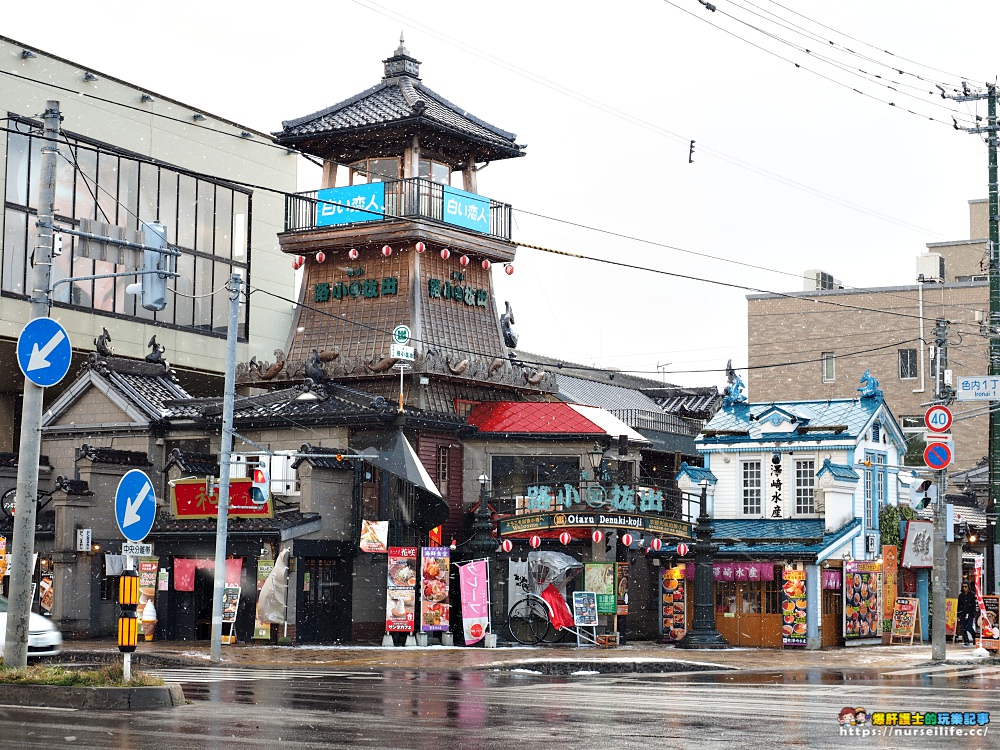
(870, 544)
(930, 268)
(818, 280)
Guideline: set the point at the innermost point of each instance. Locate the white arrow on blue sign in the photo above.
(44, 352)
(135, 505)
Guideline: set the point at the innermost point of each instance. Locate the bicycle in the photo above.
(528, 621)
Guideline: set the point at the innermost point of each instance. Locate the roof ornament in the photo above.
(507, 327)
(156, 354)
(869, 386)
(103, 343)
(733, 394)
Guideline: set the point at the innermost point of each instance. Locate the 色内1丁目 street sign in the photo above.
(135, 505)
(44, 352)
(978, 388)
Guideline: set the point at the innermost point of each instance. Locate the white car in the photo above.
(44, 638)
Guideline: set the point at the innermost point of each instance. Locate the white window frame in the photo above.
(805, 486)
(749, 488)
(828, 367)
(912, 367)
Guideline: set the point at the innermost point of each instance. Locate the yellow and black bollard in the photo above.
(128, 621)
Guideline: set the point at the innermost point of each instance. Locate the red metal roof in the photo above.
(545, 418)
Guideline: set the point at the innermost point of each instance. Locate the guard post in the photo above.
(128, 620)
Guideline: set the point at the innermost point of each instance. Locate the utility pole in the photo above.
(993, 325)
(15, 652)
(939, 573)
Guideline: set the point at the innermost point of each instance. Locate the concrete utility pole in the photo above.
(993, 324)
(939, 573)
(15, 652)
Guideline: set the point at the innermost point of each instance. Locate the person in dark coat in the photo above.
(967, 611)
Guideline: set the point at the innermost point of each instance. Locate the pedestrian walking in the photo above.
(967, 611)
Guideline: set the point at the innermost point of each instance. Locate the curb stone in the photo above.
(108, 698)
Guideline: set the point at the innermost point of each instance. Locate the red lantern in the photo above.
(445, 253)
(507, 545)
(627, 539)
(302, 261)
(508, 269)
(597, 536)
(320, 256)
(352, 254)
(535, 541)
(656, 544)
(486, 265)
(420, 247)
(295, 264)
(682, 549)
(386, 251)
(464, 260)
(565, 537)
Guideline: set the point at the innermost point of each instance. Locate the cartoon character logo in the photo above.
(846, 716)
(860, 716)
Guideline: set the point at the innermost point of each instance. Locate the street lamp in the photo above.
(703, 633)
(482, 544)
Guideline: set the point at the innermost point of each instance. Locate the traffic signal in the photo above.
(260, 493)
(925, 495)
(154, 266)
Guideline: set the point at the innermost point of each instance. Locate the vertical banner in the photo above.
(989, 611)
(622, 586)
(47, 596)
(890, 577)
(434, 607)
(474, 587)
(599, 577)
(862, 611)
(262, 630)
(793, 607)
(518, 583)
(673, 623)
(401, 591)
(950, 616)
(148, 566)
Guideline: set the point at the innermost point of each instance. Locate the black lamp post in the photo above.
(481, 543)
(703, 633)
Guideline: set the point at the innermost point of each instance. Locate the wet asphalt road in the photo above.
(294, 709)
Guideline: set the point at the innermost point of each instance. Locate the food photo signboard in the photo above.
(862, 609)
(585, 609)
(434, 607)
(599, 577)
(793, 607)
(673, 622)
(401, 590)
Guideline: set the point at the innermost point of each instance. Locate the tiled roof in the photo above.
(776, 537)
(189, 462)
(9, 460)
(841, 418)
(838, 471)
(280, 525)
(112, 456)
(547, 418)
(690, 403)
(696, 473)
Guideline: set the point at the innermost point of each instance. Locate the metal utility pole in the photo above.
(225, 457)
(15, 652)
(993, 325)
(939, 573)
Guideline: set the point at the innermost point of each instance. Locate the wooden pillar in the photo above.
(469, 176)
(329, 174)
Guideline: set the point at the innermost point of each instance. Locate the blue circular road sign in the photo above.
(937, 455)
(135, 505)
(44, 352)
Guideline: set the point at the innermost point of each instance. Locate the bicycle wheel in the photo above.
(528, 621)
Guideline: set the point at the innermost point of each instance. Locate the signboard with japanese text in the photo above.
(434, 588)
(673, 602)
(374, 536)
(989, 623)
(585, 609)
(401, 591)
(862, 608)
(351, 204)
(890, 578)
(905, 619)
(230, 603)
(950, 615)
(148, 568)
(188, 500)
(474, 587)
(776, 484)
(978, 388)
(621, 584)
(599, 577)
(466, 210)
(262, 630)
(917, 546)
(793, 607)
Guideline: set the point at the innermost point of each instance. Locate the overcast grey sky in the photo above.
(793, 168)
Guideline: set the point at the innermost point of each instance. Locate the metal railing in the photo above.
(414, 197)
(645, 419)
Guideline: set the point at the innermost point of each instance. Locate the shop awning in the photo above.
(802, 539)
(400, 460)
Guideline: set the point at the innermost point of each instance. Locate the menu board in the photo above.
(905, 618)
(862, 613)
(401, 590)
(673, 587)
(793, 607)
(599, 577)
(990, 630)
(585, 609)
(230, 603)
(621, 584)
(434, 607)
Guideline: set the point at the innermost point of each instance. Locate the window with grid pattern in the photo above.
(751, 488)
(805, 486)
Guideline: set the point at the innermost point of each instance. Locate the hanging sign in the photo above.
(401, 592)
(189, 500)
(918, 551)
(434, 607)
(905, 620)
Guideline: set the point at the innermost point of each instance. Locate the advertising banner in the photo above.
(673, 585)
(917, 547)
(474, 587)
(467, 210)
(401, 591)
(862, 609)
(890, 578)
(793, 607)
(622, 586)
(989, 611)
(375, 536)
(599, 577)
(262, 630)
(350, 204)
(950, 615)
(148, 567)
(518, 583)
(189, 500)
(434, 607)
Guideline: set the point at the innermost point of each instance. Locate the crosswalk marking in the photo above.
(223, 674)
(947, 670)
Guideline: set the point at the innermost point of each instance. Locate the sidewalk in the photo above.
(476, 657)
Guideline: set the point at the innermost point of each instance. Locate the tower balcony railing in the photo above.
(411, 198)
